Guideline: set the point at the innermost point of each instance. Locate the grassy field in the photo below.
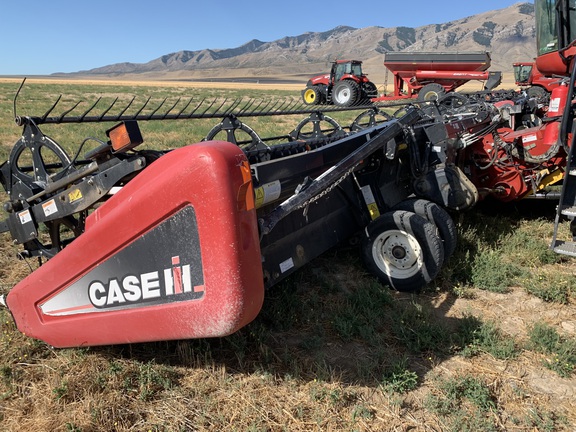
(490, 345)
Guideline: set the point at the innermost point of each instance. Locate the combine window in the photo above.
(547, 24)
(522, 73)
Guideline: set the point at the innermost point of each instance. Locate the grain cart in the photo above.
(429, 75)
(345, 85)
(145, 245)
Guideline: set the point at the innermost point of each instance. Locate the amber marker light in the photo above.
(125, 136)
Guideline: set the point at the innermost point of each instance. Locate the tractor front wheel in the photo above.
(403, 250)
(345, 93)
(311, 96)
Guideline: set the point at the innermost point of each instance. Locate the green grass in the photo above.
(551, 286)
(498, 252)
(485, 337)
(36, 99)
(559, 350)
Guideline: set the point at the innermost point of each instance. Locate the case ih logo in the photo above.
(131, 289)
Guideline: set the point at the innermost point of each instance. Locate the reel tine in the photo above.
(121, 113)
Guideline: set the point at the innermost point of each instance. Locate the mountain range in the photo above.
(508, 34)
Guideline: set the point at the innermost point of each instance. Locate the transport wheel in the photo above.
(431, 92)
(435, 214)
(345, 93)
(369, 118)
(403, 250)
(311, 96)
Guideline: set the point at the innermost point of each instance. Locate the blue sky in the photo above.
(43, 37)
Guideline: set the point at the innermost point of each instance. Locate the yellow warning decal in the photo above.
(74, 195)
(370, 202)
(267, 193)
(374, 212)
(259, 196)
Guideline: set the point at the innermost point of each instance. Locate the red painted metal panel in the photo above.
(175, 254)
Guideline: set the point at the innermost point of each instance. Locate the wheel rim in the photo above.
(430, 96)
(309, 96)
(398, 254)
(343, 95)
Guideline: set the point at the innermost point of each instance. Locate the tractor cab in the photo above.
(346, 69)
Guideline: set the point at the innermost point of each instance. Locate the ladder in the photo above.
(567, 204)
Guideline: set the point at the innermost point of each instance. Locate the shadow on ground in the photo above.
(333, 321)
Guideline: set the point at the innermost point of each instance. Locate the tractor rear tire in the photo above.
(311, 95)
(345, 93)
(403, 250)
(431, 92)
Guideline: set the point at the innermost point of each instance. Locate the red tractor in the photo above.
(345, 85)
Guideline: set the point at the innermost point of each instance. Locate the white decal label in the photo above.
(286, 265)
(529, 138)
(25, 217)
(267, 193)
(49, 208)
(554, 105)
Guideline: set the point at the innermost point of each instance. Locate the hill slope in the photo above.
(508, 34)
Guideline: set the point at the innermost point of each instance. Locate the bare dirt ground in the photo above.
(515, 312)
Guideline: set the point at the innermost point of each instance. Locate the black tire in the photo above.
(311, 95)
(537, 92)
(370, 90)
(435, 214)
(345, 93)
(403, 250)
(431, 92)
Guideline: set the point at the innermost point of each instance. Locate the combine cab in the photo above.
(345, 85)
(537, 85)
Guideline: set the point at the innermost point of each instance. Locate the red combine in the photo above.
(537, 85)
(429, 75)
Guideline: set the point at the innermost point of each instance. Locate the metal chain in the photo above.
(329, 189)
